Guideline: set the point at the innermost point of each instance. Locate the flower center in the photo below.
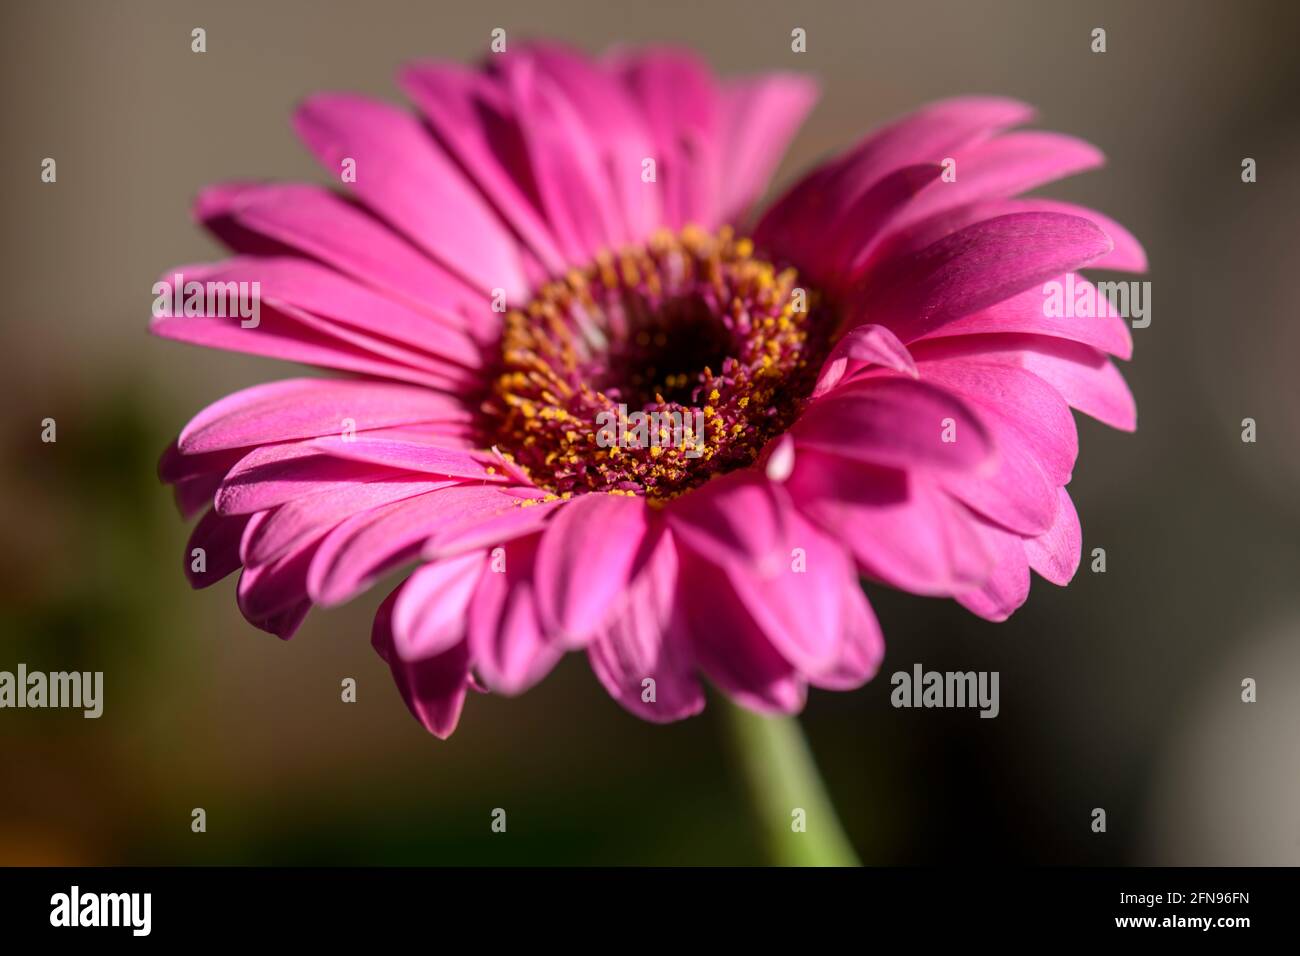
(652, 371)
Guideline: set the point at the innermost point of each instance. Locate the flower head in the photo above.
(600, 406)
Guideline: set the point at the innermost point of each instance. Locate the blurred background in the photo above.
(1121, 692)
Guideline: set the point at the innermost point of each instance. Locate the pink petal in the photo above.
(408, 456)
(1027, 313)
(1008, 585)
(799, 603)
(523, 516)
(564, 158)
(901, 528)
(1028, 406)
(429, 616)
(679, 97)
(617, 129)
(326, 227)
(730, 647)
(509, 648)
(1035, 439)
(643, 639)
(870, 218)
(896, 421)
(862, 646)
(912, 235)
(469, 111)
(1083, 376)
(433, 687)
(284, 624)
(361, 548)
(329, 295)
(1128, 254)
(1005, 166)
(1055, 554)
(295, 336)
(407, 179)
(584, 562)
(303, 520)
(738, 518)
(274, 475)
(863, 346)
(311, 407)
(192, 495)
(977, 266)
(175, 465)
(266, 590)
(929, 135)
(219, 538)
(760, 116)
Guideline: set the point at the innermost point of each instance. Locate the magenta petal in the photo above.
(863, 346)
(429, 616)
(310, 408)
(1026, 313)
(1128, 254)
(292, 525)
(266, 590)
(348, 304)
(511, 652)
(863, 224)
(292, 335)
(584, 562)
(434, 687)
(195, 494)
(1008, 585)
(643, 640)
(759, 117)
(799, 603)
(738, 518)
(617, 130)
(1029, 409)
(361, 548)
(520, 517)
(977, 266)
(1055, 554)
(564, 157)
(403, 175)
(469, 112)
(1083, 376)
(929, 135)
(862, 646)
(218, 537)
(730, 647)
(408, 455)
(174, 465)
(1018, 495)
(1005, 166)
(1035, 437)
(900, 527)
(896, 421)
(284, 624)
(273, 475)
(679, 97)
(328, 228)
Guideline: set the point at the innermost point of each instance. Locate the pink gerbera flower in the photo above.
(561, 242)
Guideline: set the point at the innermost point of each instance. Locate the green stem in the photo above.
(781, 776)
